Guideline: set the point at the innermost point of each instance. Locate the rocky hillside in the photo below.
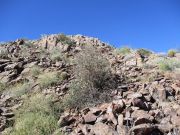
(79, 85)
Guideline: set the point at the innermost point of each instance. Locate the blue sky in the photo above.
(151, 24)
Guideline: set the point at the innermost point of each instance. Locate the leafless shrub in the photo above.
(3, 53)
(93, 84)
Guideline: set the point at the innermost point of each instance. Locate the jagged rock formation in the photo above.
(146, 101)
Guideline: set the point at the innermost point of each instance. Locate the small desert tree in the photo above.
(171, 53)
(92, 81)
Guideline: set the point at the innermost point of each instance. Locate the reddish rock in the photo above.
(66, 120)
(139, 103)
(175, 120)
(103, 129)
(142, 120)
(89, 118)
(162, 94)
(118, 106)
(141, 114)
(142, 129)
(120, 120)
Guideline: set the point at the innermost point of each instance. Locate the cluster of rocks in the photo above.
(137, 109)
(7, 106)
(140, 106)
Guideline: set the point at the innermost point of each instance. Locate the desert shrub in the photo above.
(123, 51)
(168, 65)
(37, 104)
(171, 53)
(36, 116)
(2, 86)
(144, 52)
(55, 55)
(19, 89)
(91, 85)
(24, 52)
(3, 53)
(149, 77)
(28, 44)
(63, 76)
(147, 66)
(48, 79)
(64, 39)
(35, 71)
(164, 66)
(34, 123)
(42, 52)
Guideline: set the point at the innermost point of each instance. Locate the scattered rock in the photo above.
(66, 120)
(144, 102)
(101, 129)
(89, 118)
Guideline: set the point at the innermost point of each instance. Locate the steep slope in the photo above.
(134, 96)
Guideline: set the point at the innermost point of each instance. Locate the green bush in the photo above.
(63, 76)
(144, 52)
(3, 53)
(19, 89)
(37, 103)
(55, 55)
(48, 79)
(30, 105)
(42, 52)
(35, 71)
(25, 49)
(34, 123)
(36, 116)
(64, 39)
(2, 86)
(28, 44)
(123, 51)
(92, 75)
(171, 53)
(164, 66)
(168, 65)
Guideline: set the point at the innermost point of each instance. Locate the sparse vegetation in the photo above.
(35, 71)
(171, 53)
(42, 52)
(123, 51)
(144, 52)
(55, 55)
(62, 89)
(63, 76)
(48, 79)
(168, 65)
(64, 39)
(19, 89)
(25, 49)
(28, 44)
(91, 72)
(2, 86)
(165, 66)
(36, 116)
(30, 105)
(3, 53)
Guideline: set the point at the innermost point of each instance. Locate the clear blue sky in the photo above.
(151, 24)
